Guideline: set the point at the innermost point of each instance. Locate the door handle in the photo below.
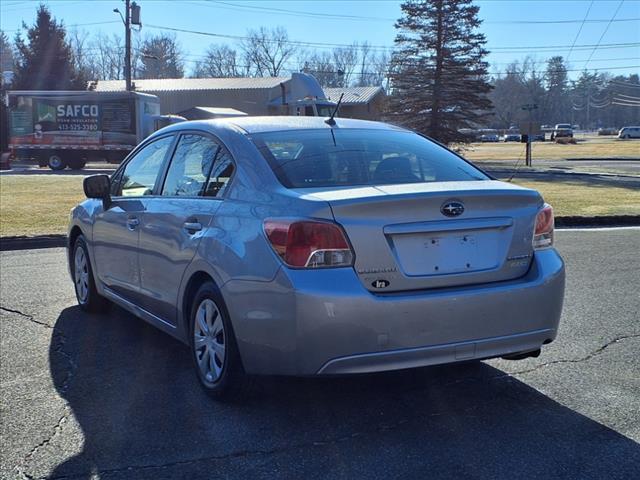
(132, 223)
(192, 227)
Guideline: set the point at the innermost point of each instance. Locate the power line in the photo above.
(75, 25)
(580, 29)
(334, 16)
(604, 33)
(625, 84)
(520, 49)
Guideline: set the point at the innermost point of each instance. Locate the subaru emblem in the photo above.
(452, 209)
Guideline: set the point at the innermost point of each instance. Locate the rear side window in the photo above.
(335, 158)
(190, 166)
(220, 175)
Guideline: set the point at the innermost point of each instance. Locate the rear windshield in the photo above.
(338, 158)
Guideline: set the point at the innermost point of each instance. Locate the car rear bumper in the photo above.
(437, 354)
(325, 322)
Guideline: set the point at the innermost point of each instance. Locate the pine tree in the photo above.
(44, 61)
(6, 54)
(557, 83)
(438, 73)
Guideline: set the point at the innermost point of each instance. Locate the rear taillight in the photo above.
(543, 233)
(308, 243)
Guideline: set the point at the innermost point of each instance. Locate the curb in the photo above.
(29, 243)
(524, 173)
(599, 221)
(56, 241)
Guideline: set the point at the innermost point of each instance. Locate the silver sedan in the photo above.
(300, 246)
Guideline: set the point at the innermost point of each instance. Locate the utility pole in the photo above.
(131, 17)
(127, 46)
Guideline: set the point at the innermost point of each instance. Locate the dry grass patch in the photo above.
(589, 147)
(37, 204)
(40, 204)
(578, 198)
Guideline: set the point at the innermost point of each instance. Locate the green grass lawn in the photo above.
(40, 204)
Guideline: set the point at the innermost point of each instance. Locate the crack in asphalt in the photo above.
(587, 357)
(27, 316)
(60, 341)
(59, 349)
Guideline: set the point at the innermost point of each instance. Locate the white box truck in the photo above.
(67, 128)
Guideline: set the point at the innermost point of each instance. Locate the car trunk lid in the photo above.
(403, 241)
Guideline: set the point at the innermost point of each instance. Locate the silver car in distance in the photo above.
(295, 246)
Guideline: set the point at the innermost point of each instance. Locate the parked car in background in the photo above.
(629, 132)
(607, 131)
(489, 137)
(562, 130)
(511, 137)
(307, 246)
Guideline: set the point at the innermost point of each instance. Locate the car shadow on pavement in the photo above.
(142, 413)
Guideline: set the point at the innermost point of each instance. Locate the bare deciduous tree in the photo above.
(219, 61)
(345, 60)
(161, 57)
(268, 50)
(321, 66)
(108, 57)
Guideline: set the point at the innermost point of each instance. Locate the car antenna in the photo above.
(330, 120)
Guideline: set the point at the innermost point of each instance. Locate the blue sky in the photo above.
(342, 22)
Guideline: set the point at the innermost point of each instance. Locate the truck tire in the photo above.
(116, 157)
(77, 163)
(55, 161)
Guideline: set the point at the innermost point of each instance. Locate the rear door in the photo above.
(116, 230)
(177, 219)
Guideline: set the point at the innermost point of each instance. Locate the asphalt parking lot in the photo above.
(110, 397)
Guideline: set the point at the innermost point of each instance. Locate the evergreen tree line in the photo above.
(593, 100)
(436, 76)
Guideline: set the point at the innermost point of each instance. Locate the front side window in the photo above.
(190, 167)
(353, 157)
(142, 171)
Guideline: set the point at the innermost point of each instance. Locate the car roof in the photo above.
(279, 123)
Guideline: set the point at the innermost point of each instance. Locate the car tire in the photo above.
(84, 284)
(55, 162)
(213, 346)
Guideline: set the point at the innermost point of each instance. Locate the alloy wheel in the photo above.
(209, 340)
(81, 275)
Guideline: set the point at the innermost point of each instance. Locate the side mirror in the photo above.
(98, 186)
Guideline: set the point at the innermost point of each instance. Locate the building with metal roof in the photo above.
(359, 102)
(254, 96)
(206, 113)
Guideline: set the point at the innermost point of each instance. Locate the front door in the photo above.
(116, 231)
(178, 218)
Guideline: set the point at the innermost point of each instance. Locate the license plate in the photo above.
(444, 253)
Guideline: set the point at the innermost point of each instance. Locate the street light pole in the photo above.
(127, 41)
